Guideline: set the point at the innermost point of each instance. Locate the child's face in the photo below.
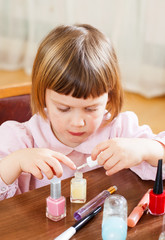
(73, 120)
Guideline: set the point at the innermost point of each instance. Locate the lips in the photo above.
(76, 133)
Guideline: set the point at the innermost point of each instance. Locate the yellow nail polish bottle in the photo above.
(78, 188)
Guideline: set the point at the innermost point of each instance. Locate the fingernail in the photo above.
(74, 166)
(106, 173)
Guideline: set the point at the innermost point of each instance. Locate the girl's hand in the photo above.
(35, 161)
(119, 153)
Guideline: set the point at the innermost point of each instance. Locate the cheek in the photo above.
(56, 120)
(95, 122)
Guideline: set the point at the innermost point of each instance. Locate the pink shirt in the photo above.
(37, 133)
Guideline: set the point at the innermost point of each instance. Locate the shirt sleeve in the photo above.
(7, 191)
(127, 125)
(14, 136)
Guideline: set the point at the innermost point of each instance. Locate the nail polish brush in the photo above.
(89, 163)
(78, 225)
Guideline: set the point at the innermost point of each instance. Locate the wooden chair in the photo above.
(15, 108)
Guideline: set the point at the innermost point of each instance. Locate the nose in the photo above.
(78, 119)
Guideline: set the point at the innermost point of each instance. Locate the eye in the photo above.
(91, 109)
(63, 109)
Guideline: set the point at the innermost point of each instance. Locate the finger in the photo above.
(111, 162)
(64, 159)
(118, 167)
(55, 166)
(36, 172)
(46, 169)
(99, 148)
(104, 156)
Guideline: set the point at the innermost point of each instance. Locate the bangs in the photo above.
(80, 84)
(79, 76)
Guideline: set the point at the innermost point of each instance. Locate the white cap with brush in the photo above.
(89, 163)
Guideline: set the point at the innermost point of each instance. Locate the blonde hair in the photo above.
(77, 60)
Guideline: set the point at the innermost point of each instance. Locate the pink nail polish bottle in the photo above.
(56, 204)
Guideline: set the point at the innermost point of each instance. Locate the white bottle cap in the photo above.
(91, 163)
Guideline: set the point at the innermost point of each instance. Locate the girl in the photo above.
(76, 101)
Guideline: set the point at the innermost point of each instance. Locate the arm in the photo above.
(130, 146)
(35, 161)
(118, 153)
(17, 154)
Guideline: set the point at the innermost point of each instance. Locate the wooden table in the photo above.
(23, 216)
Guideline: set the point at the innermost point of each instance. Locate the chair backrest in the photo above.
(15, 108)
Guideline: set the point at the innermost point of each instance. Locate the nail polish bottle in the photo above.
(56, 204)
(78, 188)
(157, 195)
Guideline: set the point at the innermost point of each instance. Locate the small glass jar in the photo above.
(78, 188)
(114, 224)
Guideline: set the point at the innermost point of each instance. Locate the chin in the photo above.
(72, 143)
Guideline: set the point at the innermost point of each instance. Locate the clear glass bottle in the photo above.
(114, 224)
(78, 188)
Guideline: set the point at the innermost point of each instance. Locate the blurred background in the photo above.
(135, 27)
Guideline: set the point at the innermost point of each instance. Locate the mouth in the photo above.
(76, 133)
